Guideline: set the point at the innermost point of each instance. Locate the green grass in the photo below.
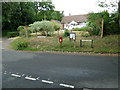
(80, 29)
(108, 44)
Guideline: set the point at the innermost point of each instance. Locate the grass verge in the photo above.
(108, 44)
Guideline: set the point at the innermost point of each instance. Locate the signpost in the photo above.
(73, 37)
(60, 41)
(86, 41)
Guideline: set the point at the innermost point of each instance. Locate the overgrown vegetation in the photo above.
(24, 13)
(20, 44)
(108, 44)
(110, 20)
(46, 27)
(66, 33)
(12, 34)
(80, 29)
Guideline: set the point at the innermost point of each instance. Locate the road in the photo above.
(31, 69)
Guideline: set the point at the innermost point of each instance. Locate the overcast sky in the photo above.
(75, 7)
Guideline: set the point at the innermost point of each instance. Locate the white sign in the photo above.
(86, 40)
(73, 36)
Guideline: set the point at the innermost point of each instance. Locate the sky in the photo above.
(76, 7)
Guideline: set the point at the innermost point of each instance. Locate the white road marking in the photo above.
(29, 78)
(37, 78)
(5, 72)
(23, 74)
(15, 75)
(45, 81)
(65, 85)
(86, 89)
(9, 72)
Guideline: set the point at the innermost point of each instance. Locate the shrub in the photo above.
(80, 29)
(84, 34)
(12, 34)
(66, 33)
(45, 26)
(22, 32)
(20, 44)
(20, 28)
(93, 31)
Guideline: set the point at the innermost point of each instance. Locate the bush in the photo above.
(93, 31)
(22, 32)
(80, 29)
(45, 26)
(20, 44)
(12, 34)
(66, 33)
(85, 34)
(20, 28)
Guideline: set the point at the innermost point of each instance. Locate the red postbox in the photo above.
(60, 39)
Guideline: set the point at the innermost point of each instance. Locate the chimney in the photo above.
(69, 14)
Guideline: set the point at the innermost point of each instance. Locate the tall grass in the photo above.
(108, 44)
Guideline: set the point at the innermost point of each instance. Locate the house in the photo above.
(74, 21)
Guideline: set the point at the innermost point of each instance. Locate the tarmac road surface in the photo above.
(46, 70)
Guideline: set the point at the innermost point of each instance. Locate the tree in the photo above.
(47, 26)
(104, 23)
(43, 26)
(24, 13)
(56, 26)
(17, 13)
(36, 27)
(46, 11)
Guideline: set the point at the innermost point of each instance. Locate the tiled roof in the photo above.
(76, 18)
(55, 21)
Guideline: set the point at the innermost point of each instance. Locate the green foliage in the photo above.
(66, 33)
(25, 13)
(85, 34)
(12, 34)
(108, 44)
(36, 26)
(20, 44)
(22, 32)
(16, 14)
(20, 28)
(95, 20)
(111, 20)
(47, 26)
(56, 26)
(43, 26)
(93, 30)
(80, 29)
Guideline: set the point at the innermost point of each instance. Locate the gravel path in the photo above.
(6, 43)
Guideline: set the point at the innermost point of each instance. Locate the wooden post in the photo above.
(26, 34)
(92, 44)
(80, 43)
(74, 43)
(60, 45)
(70, 42)
(102, 30)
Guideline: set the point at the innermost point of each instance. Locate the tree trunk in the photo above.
(102, 30)
(36, 33)
(46, 34)
(26, 34)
